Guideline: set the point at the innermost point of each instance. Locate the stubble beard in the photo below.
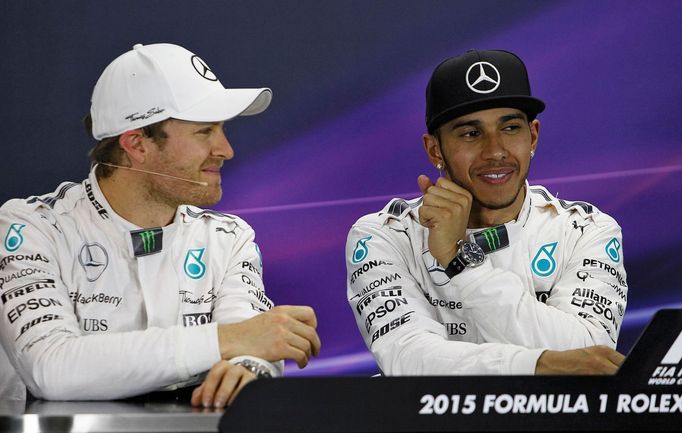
(206, 196)
(174, 193)
(495, 206)
(480, 204)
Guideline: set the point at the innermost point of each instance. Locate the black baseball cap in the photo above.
(478, 80)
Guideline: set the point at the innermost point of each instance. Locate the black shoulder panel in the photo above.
(50, 200)
(586, 206)
(210, 212)
(398, 206)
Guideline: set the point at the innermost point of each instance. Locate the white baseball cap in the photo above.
(156, 82)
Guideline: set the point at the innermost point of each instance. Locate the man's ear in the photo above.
(534, 134)
(134, 145)
(432, 149)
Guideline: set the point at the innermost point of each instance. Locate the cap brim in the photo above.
(529, 105)
(228, 104)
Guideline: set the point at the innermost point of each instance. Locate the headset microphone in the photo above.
(155, 173)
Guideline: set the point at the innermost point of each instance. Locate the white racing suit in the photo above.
(552, 279)
(93, 307)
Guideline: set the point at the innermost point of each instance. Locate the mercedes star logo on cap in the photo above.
(202, 68)
(488, 78)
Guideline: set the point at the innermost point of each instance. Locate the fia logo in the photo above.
(669, 371)
(194, 267)
(360, 252)
(613, 250)
(543, 263)
(674, 354)
(14, 239)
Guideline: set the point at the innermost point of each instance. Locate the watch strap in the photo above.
(261, 368)
(456, 266)
(255, 368)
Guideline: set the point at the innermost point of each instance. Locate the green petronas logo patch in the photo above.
(360, 252)
(147, 241)
(543, 263)
(14, 238)
(613, 250)
(492, 239)
(194, 267)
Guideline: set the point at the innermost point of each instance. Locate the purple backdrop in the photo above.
(342, 136)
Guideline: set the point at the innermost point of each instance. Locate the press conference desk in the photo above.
(645, 395)
(114, 416)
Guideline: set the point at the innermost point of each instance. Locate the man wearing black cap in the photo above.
(485, 274)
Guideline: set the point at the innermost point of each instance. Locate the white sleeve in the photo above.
(585, 306)
(242, 293)
(40, 331)
(398, 323)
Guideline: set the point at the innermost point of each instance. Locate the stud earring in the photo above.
(532, 154)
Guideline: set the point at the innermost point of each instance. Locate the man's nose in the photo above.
(494, 148)
(222, 147)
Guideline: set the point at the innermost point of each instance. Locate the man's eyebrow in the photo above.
(475, 122)
(466, 123)
(512, 116)
(202, 125)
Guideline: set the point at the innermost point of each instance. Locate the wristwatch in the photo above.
(256, 368)
(469, 255)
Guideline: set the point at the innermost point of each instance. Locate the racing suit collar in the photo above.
(118, 220)
(122, 228)
(99, 199)
(520, 220)
(493, 238)
(524, 213)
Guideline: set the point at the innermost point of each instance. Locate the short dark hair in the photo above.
(109, 150)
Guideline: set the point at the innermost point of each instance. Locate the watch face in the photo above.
(472, 253)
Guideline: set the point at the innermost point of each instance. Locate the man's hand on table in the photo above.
(221, 385)
(285, 332)
(588, 360)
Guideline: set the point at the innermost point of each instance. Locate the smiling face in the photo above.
(487, 153)
(193, 151)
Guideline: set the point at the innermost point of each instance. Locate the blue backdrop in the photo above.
(342, 135)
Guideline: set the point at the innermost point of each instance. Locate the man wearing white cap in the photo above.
(119, 285)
